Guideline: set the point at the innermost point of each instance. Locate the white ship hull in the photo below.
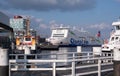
(114, 40)
(66, 36)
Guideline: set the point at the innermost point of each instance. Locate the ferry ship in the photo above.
(66, 36)
(114, 39)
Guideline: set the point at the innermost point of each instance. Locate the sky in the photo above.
(91, 15)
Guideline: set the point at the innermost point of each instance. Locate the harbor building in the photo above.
(18, 25)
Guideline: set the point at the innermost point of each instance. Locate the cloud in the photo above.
(53, 24)
(105, 29)
(40, 23)
(44, 26)
(39, 20)
(47, 5)
(100, 26)
(40, 26)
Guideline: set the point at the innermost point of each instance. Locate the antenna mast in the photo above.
(28, 26)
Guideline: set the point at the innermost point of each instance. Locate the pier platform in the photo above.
(76, 66)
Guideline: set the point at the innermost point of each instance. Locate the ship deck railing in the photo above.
(76, 64)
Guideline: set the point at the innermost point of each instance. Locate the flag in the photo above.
(99, 34)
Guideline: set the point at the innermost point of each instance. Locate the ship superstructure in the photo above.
(114, 40)
(68, 36)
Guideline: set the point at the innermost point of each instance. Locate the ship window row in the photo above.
(27, 39)
(117, 27)
(114, 38)
(58, 36)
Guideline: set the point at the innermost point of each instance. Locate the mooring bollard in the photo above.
(4, 62)
(116, 60)
(96, 52)
(27, 50)
(79, 49)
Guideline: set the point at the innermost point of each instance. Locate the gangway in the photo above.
(77, 65)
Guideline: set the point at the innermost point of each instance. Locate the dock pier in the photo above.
(73, 68)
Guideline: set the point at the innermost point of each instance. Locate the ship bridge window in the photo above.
(117, 27)
(116, 38)
(58, 35)
(112, 38)
(27, 39)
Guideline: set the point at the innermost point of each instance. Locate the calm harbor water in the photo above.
(67, 49)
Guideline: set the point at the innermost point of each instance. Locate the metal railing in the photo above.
(73, 63)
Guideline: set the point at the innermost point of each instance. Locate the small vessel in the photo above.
(114, 39)
(27, 40)
(22, 42)
(24, 36)
(66, 36)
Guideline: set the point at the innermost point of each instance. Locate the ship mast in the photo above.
(27, 27)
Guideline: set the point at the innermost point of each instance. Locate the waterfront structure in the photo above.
(4, 19)
(6, 35)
